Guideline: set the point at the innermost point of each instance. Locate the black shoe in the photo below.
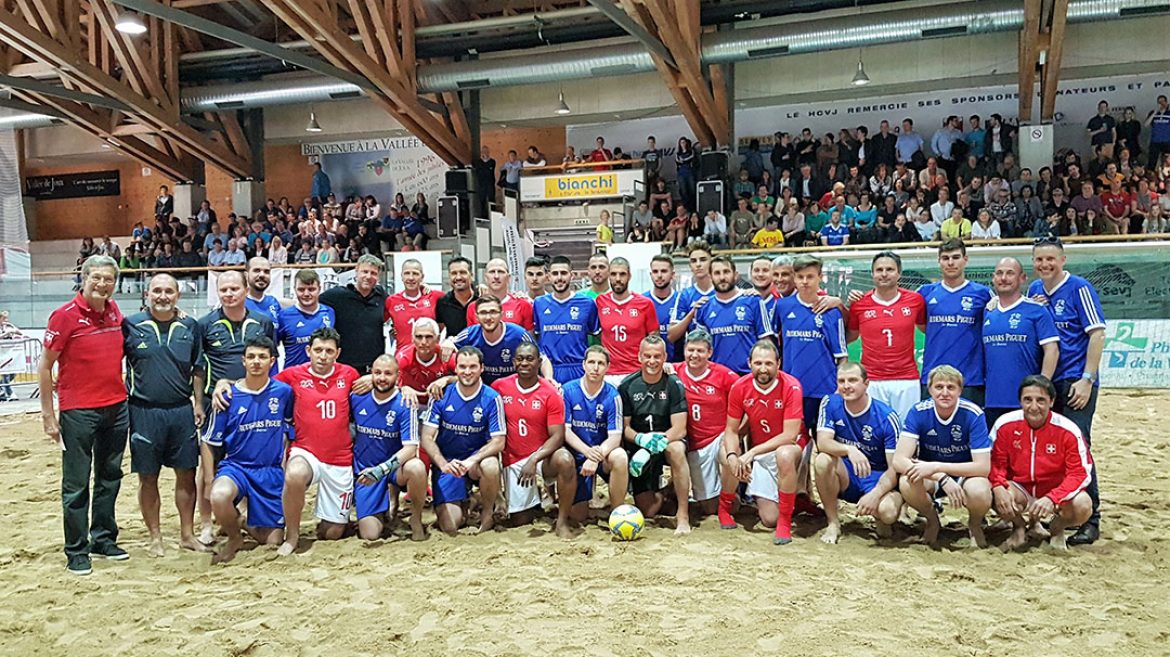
(111, 552)
(79, 564)
(1086, 535)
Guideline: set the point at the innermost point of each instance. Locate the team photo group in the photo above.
(729, 400)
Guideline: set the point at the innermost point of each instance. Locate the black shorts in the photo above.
(162, 437)
(650, 480)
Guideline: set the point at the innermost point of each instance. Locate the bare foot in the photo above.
(155, 549)
(977, 537)
(207, 535)
(1038, 531)
(1018, 538)
(285, 549)
(487, 523)
(930, 534)
(682, 526)
(832, 534)
(228, 551)
(417, 531)
(1058, 542)
(190, 543)
(883, 530)
(565, 530)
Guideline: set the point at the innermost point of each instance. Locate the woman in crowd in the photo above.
(1028, 211)
(277, 252)
(420, 208)
(306, 254)
(880, 183)
(792, 223)
(985, 227)
(686, 159)
(696, 227)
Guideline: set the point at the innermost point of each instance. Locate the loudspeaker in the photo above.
(460, 181)
(710, 193)
(712, 165)
(454, 216)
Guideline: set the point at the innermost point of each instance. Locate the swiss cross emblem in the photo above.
(305, 383)
(778, 404)
(341, 384)
(906, 312)
(633, 312)
(1050, 448)
(509, 314)
(710, 390)
(535, 404)
(507, 399)
(749, 402)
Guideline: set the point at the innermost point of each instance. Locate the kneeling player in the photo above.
(535, 417)
(593, 430)
(944, 449)
(856, 438)
(707, 386)
(252, 432)
(464, 433)
(771, 402)
(385, 444)
(1040, 467)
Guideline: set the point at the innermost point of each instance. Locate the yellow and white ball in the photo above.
(626, 522)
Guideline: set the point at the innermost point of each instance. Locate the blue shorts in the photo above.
(262, 487)
(563, 374)
(585, 484)
(812, 413)
(449, 489)
(162, 437)
(373, 500)
(859, 486)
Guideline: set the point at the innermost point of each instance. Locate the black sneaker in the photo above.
(1086, 535)
(79, 564)
(111, 552)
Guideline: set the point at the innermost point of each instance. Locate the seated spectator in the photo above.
(131, 260)
(941, 209)
(217, 255)
(744, 186)
(865, 221)
(327, 253)
(1008, 169)
(814, 221)
(914, 212)
(1117, 203)
(234, 256)
(1028, 211)
(902, 231)
(696, 228)
(1055, 224)
(1110, 175)
(985, 227)
(715, 228)
(390, 230)
(642, 216)
(140, 233)
(926, 227)
(742, 227)
(306, 254)
(784, 181)
(881, 183)
(414, 234)
(770, 236)
(1144, 199)
(792, 223)
(165, 259)
(659, 195)
(835, 233)
(1003, 210)
(637, 234)
(676, 230)
(762, 196)
(604, 230)
(1085, 201)
(769, 184)
(1157, 222)
(955, 226)
(277, 253)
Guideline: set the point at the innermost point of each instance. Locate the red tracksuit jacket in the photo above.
(1052, 461)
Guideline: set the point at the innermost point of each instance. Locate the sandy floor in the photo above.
(523, 591)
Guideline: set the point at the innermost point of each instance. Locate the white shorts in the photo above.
(900, 395)
(706, 482)
(520, 497)
(764, 473)
(334, 487)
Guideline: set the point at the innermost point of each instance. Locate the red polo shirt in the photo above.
(89, 370)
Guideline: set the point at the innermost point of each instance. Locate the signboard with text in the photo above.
(1136, 354)
(73, 185)
(594, 184)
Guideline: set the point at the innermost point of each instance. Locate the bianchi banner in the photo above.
(1137, 354)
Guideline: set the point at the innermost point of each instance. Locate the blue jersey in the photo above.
(874, 431)
(835, 235)
(1012, 339)
(466, 424)
(563, 327)
(954, 318)
(667, 312)
(293, 328)
(380, 429)
(497, 356)
(592, 418)
(735, 325)
(687, 299)
(253, 428)
(1076, 310)
(267, 306)
(811, 344)
(953, 441)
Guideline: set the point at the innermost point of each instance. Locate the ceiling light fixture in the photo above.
(313, 125)
(130, 23)
(563, 107)
(860, 78)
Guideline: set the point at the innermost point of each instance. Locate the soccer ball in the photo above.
(626, 522)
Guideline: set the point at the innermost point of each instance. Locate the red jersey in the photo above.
(403, 311)
(529, 414)
(623, 325)
(321, 411)
(766, 409)
(414, 373)
(1052, 461)
(513, 309)
(706, 403)
(887, 334)
(89, 371)
(1116, 204)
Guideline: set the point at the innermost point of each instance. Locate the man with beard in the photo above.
(513, 309)
(598, 277)
(665, 299)
(735, 321)
(451, 309)
(495, 340)
(564, 323)
(258, 275)
(625, 319)
(162, 352)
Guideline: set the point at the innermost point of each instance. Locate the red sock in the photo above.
(784, 521)
(725, 502)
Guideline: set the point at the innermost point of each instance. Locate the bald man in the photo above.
(514, 309)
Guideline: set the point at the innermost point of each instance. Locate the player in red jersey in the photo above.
(625, 319)
(768, 404)
(513, 309)
(885, 319)
(422, 372)
(535, 417)
(707, 386)
(405, 308)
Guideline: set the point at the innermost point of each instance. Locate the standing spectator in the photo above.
(599, 153)
(783, 154)
(84, 339)
(9, 331)
(945, 141)
(484, 169)
(975, 138)
(686, 160)
(510, 172)
(535, 158)
(321, 185)
(827, 154)
(164, 205)
(604, 230)
(1129, 132)
(651, 161)
(753, 161)
(1159, 121)
(998, 141)
(1102, 130)
(909, 146)
(884, 146)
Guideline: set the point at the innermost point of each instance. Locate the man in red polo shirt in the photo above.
(405, 308)
(84, 339)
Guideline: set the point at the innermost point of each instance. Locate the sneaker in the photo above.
(111, 552)
(1086, 535)
(79, 564)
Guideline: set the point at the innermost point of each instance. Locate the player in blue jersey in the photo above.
(463, 433)
(954, 321)
(258, 275)
(735, 321)
(385, 444)
(296, 323)
(564, 321)
(760, 276)
(1080, 323)
(693, 298)
(593, 433)
(252, 432)
(856, 438)
(496, 340)
(1019, 340)
(945, 450)
(665, 299)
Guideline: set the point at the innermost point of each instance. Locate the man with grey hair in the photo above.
(83, 338)
(359, 307)
(162, 351)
